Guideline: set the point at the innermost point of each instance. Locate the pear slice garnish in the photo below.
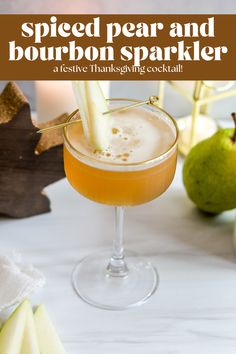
(81, 98)
(92, 104)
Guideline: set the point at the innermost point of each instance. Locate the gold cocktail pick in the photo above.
(151, 100)
(62, 125)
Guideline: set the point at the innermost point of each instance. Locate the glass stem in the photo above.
(117, 266)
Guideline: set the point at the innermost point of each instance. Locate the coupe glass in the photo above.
(119, 280)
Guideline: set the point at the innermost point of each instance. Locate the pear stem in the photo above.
(234, 136)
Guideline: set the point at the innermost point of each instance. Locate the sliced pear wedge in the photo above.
(92, 104)
(48, 339)
(81, 99)
(30, 340)
(11, 335)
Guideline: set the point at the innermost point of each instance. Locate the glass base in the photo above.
(95, 286)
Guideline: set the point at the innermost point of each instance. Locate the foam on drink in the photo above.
(136, 135)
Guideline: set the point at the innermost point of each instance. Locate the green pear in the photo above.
(49, 342)
(209, 172)
(11, 335)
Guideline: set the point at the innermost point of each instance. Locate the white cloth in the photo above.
(17, 279)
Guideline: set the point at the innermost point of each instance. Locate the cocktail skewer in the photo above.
(61, 125)
(151, 100)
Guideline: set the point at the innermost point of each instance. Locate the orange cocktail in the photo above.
(137, 166)
(123, 177)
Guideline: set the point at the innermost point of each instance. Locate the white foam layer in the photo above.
(137, 135)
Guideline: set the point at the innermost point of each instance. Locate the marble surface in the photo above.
(194, 309)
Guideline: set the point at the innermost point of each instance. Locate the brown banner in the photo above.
(117, 47)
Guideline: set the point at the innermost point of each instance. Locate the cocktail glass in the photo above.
(119, 280)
